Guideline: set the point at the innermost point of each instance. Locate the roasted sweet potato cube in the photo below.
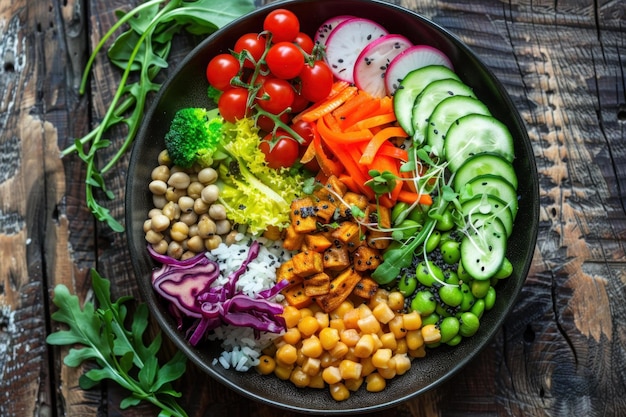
(384, 217)
(355, 199)
(317, 242)
(318, 284)
(336, 258)
(348, 233)
(293, 240)
(296, 297)
(378, 239)
(366, 258)
(308, 263)
(286, 272)
(325, 210)
(302, 215)
(332, 188)
(365, 288)
(340, 289)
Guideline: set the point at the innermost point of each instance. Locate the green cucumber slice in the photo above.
(483, 249)
(481, 164)
(429, 98)
(411, 87)
(493, 185)
(490, 205)
(446, 112)
(474, 134)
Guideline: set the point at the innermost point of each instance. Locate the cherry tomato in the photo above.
(282, 24)
(299, 103)
(317, 81)
(267, 124)
(283, 154)
(221, 69)
(304, 41)
(305, 131)
(233, 104)
(275, 95)
(285, 60)
(254, 44)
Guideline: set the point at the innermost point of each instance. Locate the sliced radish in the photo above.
(321, 36)
(373, 61)
(345, 43)
(410, 59)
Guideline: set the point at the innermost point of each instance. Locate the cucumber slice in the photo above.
(481, 164)
(446, 112)
(493, 185)
(411, 86)
(486, 204)
(474, 134)
(433, 94)
(483, 249)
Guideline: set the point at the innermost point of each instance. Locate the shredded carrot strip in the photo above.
(362, 112)
(377, 141)
(341, 137)
(375, 121)
(328, 105)
(411, 197)
(357, 100)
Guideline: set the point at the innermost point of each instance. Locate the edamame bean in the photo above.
(480, 288)
(455, 340)
(451, 295)
(469, 324)
(428, 273)
(407, 285)
(408, 228)
(424, 303)
(432, 318)
(417, 214)
(450, 277)
(468, 297)
(445, 222)
(449, 328)
(450, 251)
(433, 241)
(478, 308)
(399, 212)
(490, 298)
(462, 273)
(505, 270)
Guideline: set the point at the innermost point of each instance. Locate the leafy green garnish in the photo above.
(120, 352)
(142, 51)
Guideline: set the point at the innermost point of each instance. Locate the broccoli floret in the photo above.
(195, 136)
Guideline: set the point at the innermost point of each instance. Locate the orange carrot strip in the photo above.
(375, 121)
(357, 100)
(341, 137)
(393, 151)
(349, 182)
(337, 87)
(309, 154)
(332, 122)
(360, 113)
(378, 140)
(328, 105)
(410, 197)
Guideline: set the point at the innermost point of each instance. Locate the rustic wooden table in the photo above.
(561, 353)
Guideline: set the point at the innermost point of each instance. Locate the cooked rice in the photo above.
(241, 349)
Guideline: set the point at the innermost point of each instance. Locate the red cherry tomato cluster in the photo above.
(271, 76)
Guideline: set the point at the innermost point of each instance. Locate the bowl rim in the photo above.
(163, 318)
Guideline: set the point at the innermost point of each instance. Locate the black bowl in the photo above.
(187, 87)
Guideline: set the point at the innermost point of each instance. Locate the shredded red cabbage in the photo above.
(188, 286)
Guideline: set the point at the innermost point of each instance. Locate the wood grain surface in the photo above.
(562, 351)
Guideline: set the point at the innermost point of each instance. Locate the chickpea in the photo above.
(161, 172)
(299, 378)
(200, 207)
(207, 176)
(157, 187)
(147, 225)
(193, 229)
(179, 231)
(171, 210)
(206, 227)
(160, 247)
(375, 382)
(179, 180)
(160, 222)
(175, 250)
(210, 193)
(195, 244)
(189, 218)
(217, 212)
(164, 157)
(154, 212)
(212, 242)
(187, 255)
(194, 189)
(222, 227)
(186, 204)
(266, 365)
(159, 201)
(231, 237)
(174, 194)
(153, 237)
(339, 392)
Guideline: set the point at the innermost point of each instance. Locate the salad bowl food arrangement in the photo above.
(332, 232)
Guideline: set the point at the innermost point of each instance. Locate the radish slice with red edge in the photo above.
(321, 36)
(412, 58)
(374, 60)
(345, 43)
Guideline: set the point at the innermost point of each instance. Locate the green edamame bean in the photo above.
(432, 318)
(399, 212)
(480, 288)
(478, 308)
(408, 228)
(451, 295)
(455, 340)
(417, 214)
(442, 311)
(469, 324)
(445, 222)
(450, 277)
(433, 241)
(424, 303)
(407, 285)
(428, 273)
(490, 298)
(462, 273)
(449, 328)
(468, 297)
(505, 270)
(450, 251)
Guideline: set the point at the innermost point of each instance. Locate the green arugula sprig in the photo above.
(120, 352)
(143, 49)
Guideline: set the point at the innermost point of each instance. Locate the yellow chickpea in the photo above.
(339, 392)
(266, 365)
(375, 383)
(287, 354)
(308, 325)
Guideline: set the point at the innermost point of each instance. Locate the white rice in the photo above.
(241, 349)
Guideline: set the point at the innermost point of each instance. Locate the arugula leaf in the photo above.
(120, 352)
(141, 51)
